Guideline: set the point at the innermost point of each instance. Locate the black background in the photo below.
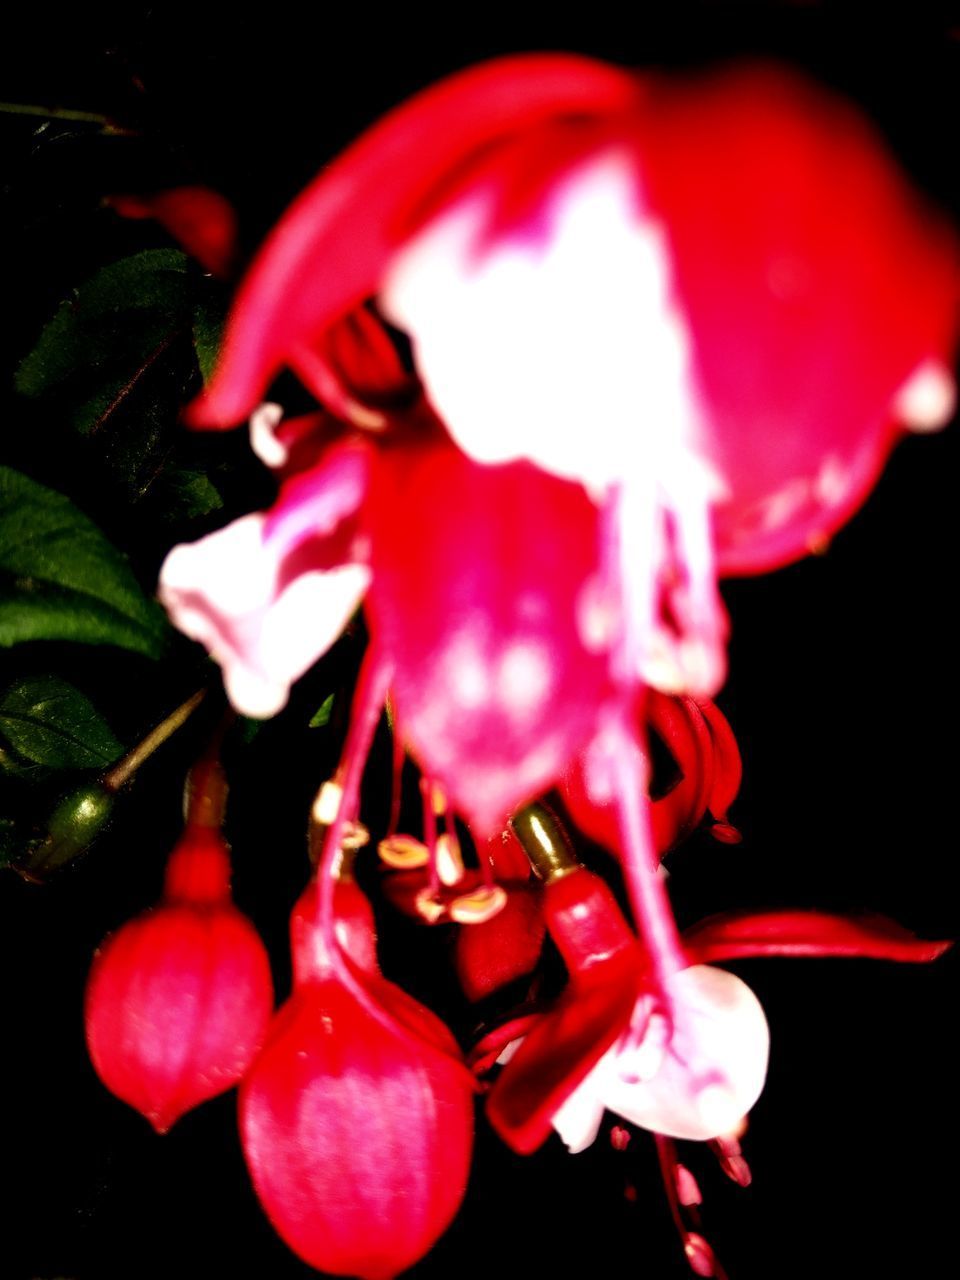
(842, 692)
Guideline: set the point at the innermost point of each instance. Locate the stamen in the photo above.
(688, 1192)
(450, 868)
(403, 853)
(731, 1160)
(430, 831)
(396, 779)
(619, 1137)
(684, 1199)
(479, 906)
(327, 804)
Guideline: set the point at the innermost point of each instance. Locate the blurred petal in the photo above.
(806, 933)
(226, 592)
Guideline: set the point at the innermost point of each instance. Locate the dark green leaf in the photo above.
(87, 327)
(61, 579)
(189, 493)
(51, 723)
(103, 340)
(208, 322)
(12, 841)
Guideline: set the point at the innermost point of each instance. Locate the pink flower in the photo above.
(606, 1044)
(358, 1130)
(663, 330)
(178, 1000)
(710, 301)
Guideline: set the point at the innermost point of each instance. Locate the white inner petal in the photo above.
(563, 347)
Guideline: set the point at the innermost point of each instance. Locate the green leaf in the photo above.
(322, 715)
(12, 841)
(61, 579)
(188, 494)
(49, 722)
(208, 323)
(87, 327)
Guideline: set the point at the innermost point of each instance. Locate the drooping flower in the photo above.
(357, 1131)
(178, 1000)
(606, 1043)
(663, 330)
(701, 305)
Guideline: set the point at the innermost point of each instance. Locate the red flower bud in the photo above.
(179, 999)
(357, 1118)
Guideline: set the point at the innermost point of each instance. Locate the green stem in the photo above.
(64, 113)
(123, 771)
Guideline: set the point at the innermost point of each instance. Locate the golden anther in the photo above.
(355, 836)
(479, 906)
(449, 859)
(327, 804)
(428, 907)
(403, 853)
(438, 799)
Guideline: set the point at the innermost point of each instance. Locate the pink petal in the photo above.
(478, 575)
(806, 933)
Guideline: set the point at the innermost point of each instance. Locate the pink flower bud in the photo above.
(179, 999)
(357, 1119)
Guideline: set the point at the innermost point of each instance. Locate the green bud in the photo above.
(75, 823)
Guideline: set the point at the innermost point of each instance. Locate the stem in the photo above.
(65, 113)
(206, 792)
(123, 771)
(430, 831)
(367, 704)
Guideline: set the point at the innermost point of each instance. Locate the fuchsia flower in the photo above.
(663, 330)
(178, 1000)
(577, 1059)
(358, 1135)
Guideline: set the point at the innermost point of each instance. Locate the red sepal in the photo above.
(741, 935)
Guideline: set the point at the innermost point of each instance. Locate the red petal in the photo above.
(806, 933)
(559, 1052)
(813, 282)
(727, 764)
(329, 251)
(203, 221)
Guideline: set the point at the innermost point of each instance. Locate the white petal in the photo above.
(713, 1070)
(225, 591)
(577, 1120)
(560, 346)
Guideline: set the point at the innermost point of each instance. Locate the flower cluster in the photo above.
(662, 330)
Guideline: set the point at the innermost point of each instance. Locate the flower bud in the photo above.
(77, 820)
(179, 999)
(358, 1133)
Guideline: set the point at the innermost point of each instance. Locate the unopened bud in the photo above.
(75, 823)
